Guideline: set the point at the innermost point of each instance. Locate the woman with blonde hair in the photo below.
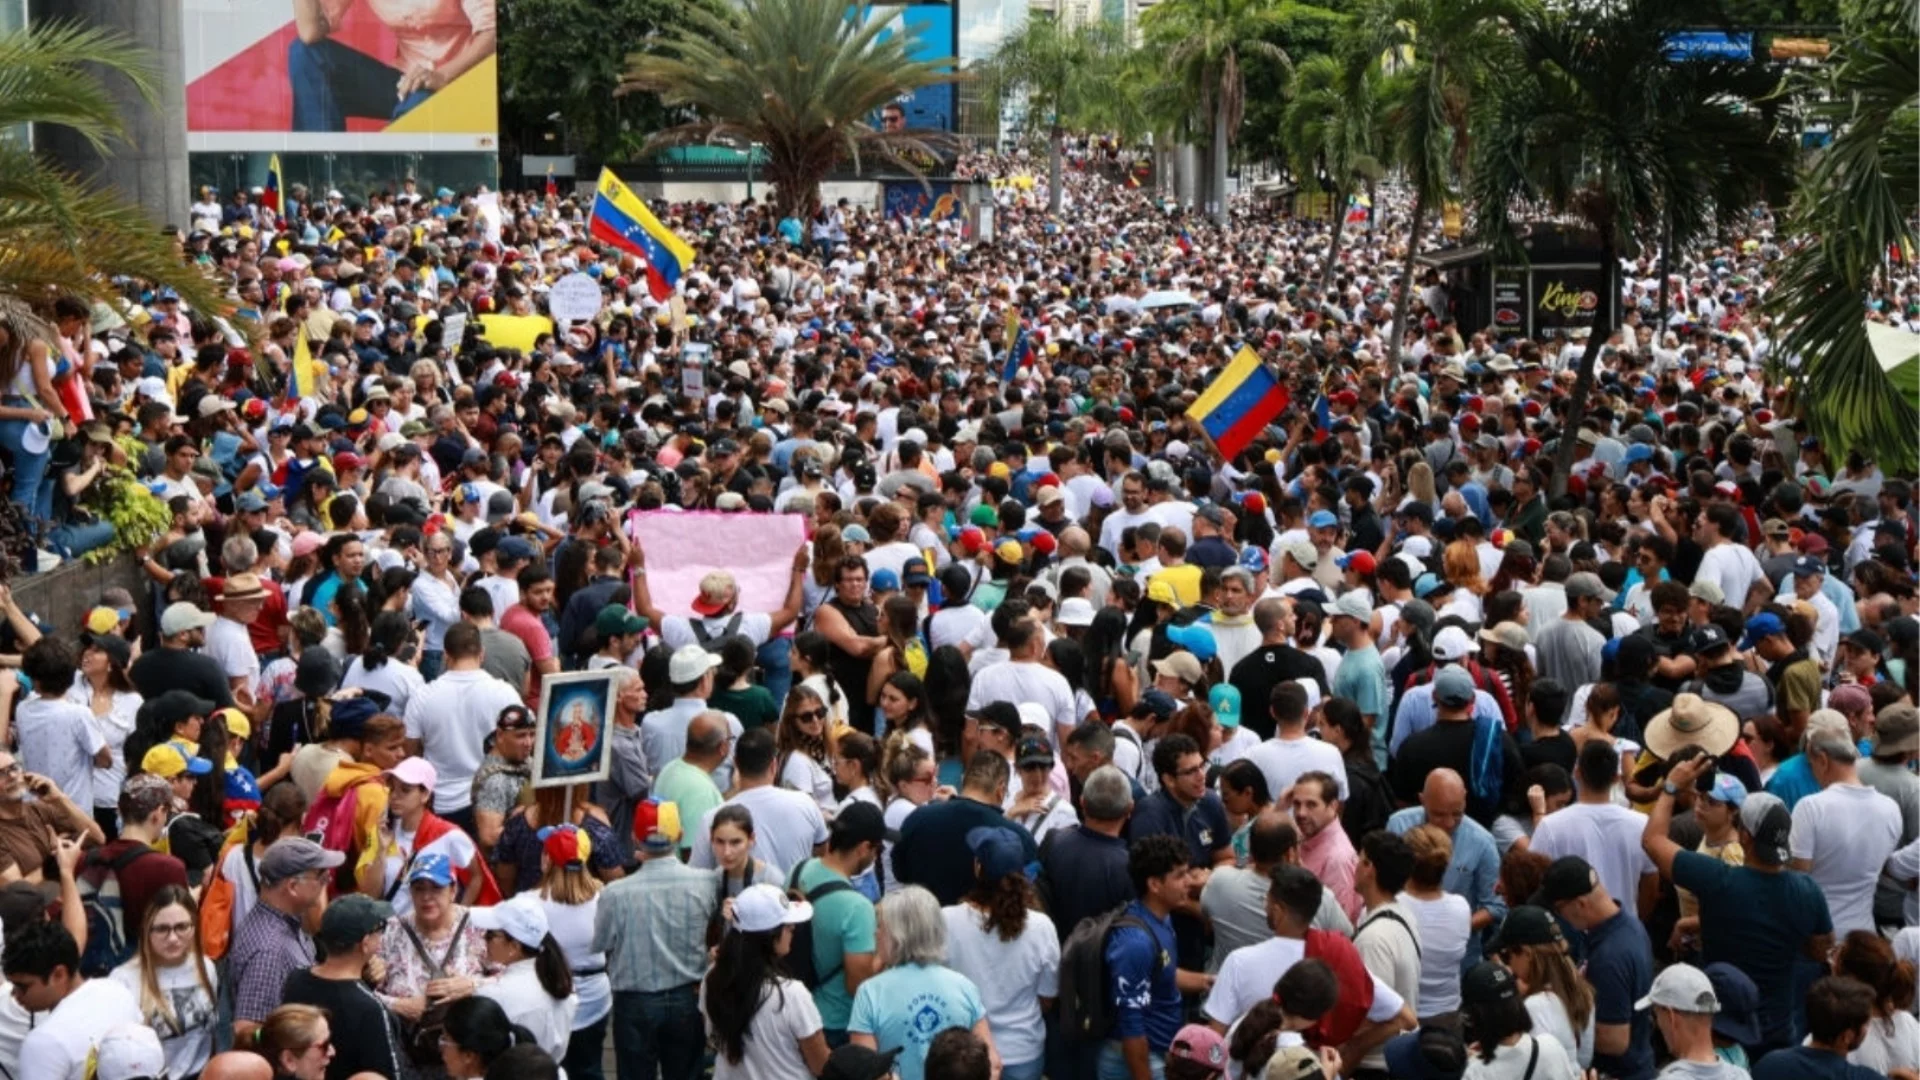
(173, 980)
(296, 1041)
(912, 779)
(1444, 919)
(804, 763)
(1557, 997)
(1420, 486)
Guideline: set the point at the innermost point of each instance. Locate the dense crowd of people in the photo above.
(1073, 748)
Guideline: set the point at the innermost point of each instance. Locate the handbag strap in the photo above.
(437, 969)
(1533, 1059)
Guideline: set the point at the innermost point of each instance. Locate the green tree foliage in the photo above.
(799, 77)
(1064, 74)
(1334, 124)
(1205, 44)
(1857, 199)
(555, 57)
(1302, 31)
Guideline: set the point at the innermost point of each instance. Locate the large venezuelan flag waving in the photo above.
(1241, 401)
(622, 220)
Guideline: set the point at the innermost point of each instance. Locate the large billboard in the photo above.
(341, 75)
(929, 28)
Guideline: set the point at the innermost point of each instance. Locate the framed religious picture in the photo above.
(570, 740)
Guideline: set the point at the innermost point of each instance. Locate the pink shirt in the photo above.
(426, 32)
(532, 633)
(1330, 857)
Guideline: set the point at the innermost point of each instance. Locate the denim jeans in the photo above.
(432, 663)
(70, 540)
(1113, 1063)
(775, 659)
(32, 484)
(1025, 1070)
(659, 1035)
(332, 82)
(584, 1050)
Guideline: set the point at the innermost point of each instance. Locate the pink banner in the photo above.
(757, 549)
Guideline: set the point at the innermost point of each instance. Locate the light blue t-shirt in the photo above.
(907, 1006)
(1362, 679)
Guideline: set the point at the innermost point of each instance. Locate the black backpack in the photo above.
(1086, 1004)
(799, 958)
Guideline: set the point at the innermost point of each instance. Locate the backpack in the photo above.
(1086, 1005)
(707, 638)
(216, 907)
(1338, 1024)
(1122, 731)
(800, 962)
(329, 823)
(98, 882)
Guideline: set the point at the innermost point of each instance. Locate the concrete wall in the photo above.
(61, 597)
(150, 166)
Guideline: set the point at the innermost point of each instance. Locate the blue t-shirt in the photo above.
(906, 1007)
(1806, 1063)
(1793, 781)
(1620, 967)
(1145, 1002)
(1758, 922)
(1204, 825)
(843, 923)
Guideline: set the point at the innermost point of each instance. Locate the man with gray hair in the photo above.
(1083, 870)
(1234, 631)
(1075, 542)
(1843, 835)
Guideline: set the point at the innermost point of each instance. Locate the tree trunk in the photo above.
(1217, 193)
(1583, 380)
(1053, 170)
(1405, 300)
(1373, 207)
(1339, 233)
(1666, 268)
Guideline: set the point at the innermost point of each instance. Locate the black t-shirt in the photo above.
(929, 837)
(1556, 749)
(1260, 671)
(1448, 744)
(160, 670)
(373, 1042)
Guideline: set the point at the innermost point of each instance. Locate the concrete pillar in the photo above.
(149, 166)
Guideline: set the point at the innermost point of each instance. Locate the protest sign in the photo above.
(757, 549)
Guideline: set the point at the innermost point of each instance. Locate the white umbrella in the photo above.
(1166, 298)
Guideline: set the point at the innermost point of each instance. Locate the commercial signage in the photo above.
(1709, 45)
(1568, 298)
(936, 200)
(352, 77)
(929, 29)
(1509, 303)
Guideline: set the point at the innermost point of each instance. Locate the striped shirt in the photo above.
(652, 925)
(268, 946)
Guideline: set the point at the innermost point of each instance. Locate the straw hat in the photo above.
(1693, 721)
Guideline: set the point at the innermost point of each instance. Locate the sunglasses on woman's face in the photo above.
(808, 716)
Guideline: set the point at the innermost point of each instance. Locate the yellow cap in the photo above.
(238, 726)
(103, 620)
(169, 760)
(999, 469)
(1162, 592)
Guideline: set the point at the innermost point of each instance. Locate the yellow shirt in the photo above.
(1185, 580)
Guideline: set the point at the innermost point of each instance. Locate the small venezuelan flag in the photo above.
(1241, 400)
(270, 198)
(622, 220)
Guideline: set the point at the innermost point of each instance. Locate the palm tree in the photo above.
(1062, 71)
(59, 233)
(1333, 124)
(1856, 201)
(800, 78)
(1202, 42)
(1595, 123)
(1443, 50)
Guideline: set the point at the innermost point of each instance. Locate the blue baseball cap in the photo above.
(1323, 519)
(998, 851)
(1196, 638)
(1764, 625)
(1224, 700)
(515, 549)
(1427, 584)
(884, 580)
(1639, 452)
(1727, 788)
(432, 867)
(1808, 566)
(1253, 559)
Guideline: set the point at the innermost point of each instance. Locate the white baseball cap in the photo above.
(129, 1051)
(760, 908)
(1683, 987)
(1452, 644)
(1075, 611)
(521, 918)
(689, 663)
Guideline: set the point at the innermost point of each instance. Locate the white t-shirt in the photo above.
(786, 827)
(186, 1028)
(1020, 682)
(1445, 926)
(1510, 1062)
(114, 729)
(1012, 977)
(1607, 836)
(1550, 1017)
(807, 776)
(1733, 568)
(452, 718)
(1846, 832)
(396, 680)
(1282, 761)
(771, 1048)
(1247, 976)
(958, 625)
(528, 1004)
(246, 891)
(229, 643)
(61, 1044)
(58, 739)
(572, 928)
(1890, 1044)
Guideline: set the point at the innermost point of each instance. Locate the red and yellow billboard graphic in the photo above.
(353, 75)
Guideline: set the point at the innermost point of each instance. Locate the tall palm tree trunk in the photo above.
(1666, 268)
(1339, 234)
(1217, 191)
(1054, 137)
(1583, 379)
(1402, 302)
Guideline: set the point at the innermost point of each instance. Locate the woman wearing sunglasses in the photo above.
(173, 980)
(296, 1040)
(805, 765)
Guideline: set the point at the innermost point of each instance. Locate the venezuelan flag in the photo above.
(301, 383)
(621, 219)
(1240, 401)
(270, 198)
